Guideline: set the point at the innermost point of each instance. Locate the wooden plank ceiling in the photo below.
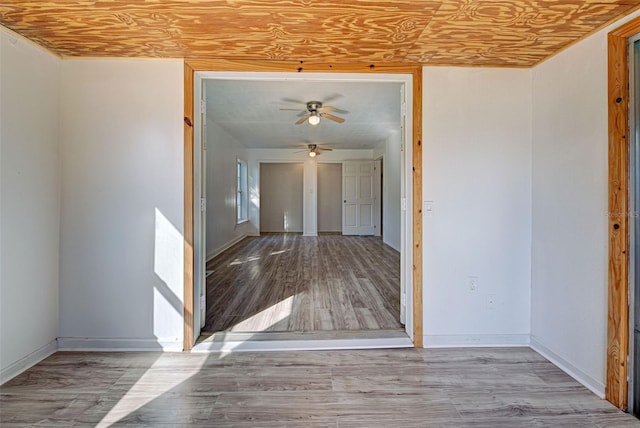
(437, 32)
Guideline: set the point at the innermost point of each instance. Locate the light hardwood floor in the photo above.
(503, 387)
(287, 282)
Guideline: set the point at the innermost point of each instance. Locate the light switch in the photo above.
(427, 209)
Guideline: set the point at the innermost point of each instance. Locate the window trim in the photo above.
(242, 195)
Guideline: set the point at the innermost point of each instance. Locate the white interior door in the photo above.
(358, 197)
(377, 207)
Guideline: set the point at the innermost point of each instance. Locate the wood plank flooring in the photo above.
(287, 282)
(501, 387)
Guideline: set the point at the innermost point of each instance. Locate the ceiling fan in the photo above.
(314, 150)
(315, 110)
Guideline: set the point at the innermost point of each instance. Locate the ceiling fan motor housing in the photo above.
(313, 105)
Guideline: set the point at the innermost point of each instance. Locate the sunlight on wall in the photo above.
(254, 201)
(286, 221)
(254, 190)
(254, 197)
(168, 266)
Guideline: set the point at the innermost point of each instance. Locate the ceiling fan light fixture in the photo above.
(314, 119)
(312, 154)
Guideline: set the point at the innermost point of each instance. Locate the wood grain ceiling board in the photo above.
(440, 32)
(243, 29)
(510, 33)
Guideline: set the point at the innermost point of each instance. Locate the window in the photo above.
(242, 197)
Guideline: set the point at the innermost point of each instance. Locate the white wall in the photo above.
(257, 156)
(329, 197)
(29, 203)
(310, 198)
(391, 189)
(222, 152)
(121, 252)
(570, 253)
(281, 202)
(477, 172)
(121, 246)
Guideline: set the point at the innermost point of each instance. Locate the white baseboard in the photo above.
(303, 345)
(589, 382)
(475, 340)
(392, 246)
(27, 362)
(225, 247)
(108, 344)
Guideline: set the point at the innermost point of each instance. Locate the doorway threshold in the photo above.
(231, 341)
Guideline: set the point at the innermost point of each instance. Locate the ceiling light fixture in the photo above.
(312, 153)
(314, 119)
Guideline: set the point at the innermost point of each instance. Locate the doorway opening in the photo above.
(310, 226)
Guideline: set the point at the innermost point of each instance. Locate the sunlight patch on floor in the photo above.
(247, 260)
(154, 383)
(267, 318)
(275, 253)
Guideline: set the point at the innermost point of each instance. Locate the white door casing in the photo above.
(406, 169)
(405, 261)
(203, 219)
(199, 209)
(377, 182)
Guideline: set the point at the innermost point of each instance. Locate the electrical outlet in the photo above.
(473, 283)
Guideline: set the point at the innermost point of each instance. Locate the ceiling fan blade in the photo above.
(290, 100)
(331, 98)
(332, 117)
(302, 119)
(325, 149)
(301, 151)
(300, 112)
(331, 108)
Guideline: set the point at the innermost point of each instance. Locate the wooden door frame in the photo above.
(616, 389)
(193, 65)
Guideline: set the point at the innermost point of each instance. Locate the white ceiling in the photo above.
(249, 110)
